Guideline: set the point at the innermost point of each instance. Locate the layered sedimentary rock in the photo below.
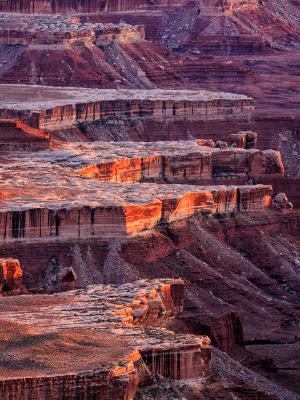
(71, 195)
(10, 276)
(111, 209)
(216, 7)
(113, 358)
(171, 162)
(206, 7)
(53, 108)
(16, 135)
(62, 31)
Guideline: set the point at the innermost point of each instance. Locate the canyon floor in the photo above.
(149, 200)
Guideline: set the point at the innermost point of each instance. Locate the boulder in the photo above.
(280, 202)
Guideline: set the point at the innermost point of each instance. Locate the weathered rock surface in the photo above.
(241, 267)
(244, 264)
(10, 276)
(113, 358)
(281, 202)
(211, 7)
(61, 108)
(64, 31)
(16, 135)
(61, 199)
(170, 162)
(244, 140)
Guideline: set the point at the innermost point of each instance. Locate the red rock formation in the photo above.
(190, 168)
(16, 135)
(10, 276)
(62, 108)
(206, 7)
(67, 279)
(171, 204)
(244, 140)
(280, 202)
(120, 362)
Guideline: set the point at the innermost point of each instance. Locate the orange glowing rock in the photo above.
(10, 276)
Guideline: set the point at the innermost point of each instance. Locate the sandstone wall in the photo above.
(16, 135)
(84, 6)
(90, 385)
(85, 222)
(114, 315)
(196, 168)
(219, 7)
(64, 117)
(100, 35)
(206, 7)
(172, 169)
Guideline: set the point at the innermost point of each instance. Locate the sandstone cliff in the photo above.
(206, 7)
(114, 358)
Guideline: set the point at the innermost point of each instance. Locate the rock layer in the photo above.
(16, 135)
(91, 190)
(126, 354)
(61, 108)
(206, 7)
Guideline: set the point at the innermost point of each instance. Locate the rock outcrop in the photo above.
(281, 202)
(114, 357)
(244, 140)
(123, 212)
(206, 7)
(57, 108)
(78, 214)
(64, 31)
(16, 135)
(11, 275)
(70, 195)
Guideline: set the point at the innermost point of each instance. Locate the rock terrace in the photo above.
(117, 352)
(78, 192)
(54, 108)
(95, 189)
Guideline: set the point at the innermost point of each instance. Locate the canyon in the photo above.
(149, 199)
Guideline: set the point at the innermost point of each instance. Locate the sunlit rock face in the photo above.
(101, 189)
(10, 276)
(91, 190)
(114, 356)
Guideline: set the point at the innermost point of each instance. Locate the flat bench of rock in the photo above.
(63, 31)
(207, 8)
(60, 200)
(54, 108)
(102, 327)
(170, 162)
(95, 209)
